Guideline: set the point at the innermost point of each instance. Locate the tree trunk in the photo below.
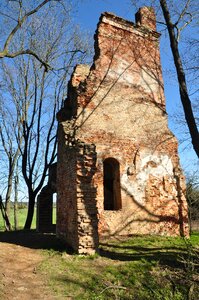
(31, 206)
(4, 215)
(16, 203)
(8, 194)
(186, 103)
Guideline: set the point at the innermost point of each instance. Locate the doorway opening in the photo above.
(112, 190)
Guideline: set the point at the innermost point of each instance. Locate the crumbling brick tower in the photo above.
(118, 166)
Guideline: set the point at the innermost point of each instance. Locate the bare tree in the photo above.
(16, 183)
(36, 95)
(174, 29)
(20, 21)
(11, 148)
(179, 19)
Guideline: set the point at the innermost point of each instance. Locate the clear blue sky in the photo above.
(88, 17)
(90, 10)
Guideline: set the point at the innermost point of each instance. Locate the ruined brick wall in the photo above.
(118, 104)
(66, 193)
(77, 221)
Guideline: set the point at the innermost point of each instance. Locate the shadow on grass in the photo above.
(34, 240)
(168, 259)
(173, 256)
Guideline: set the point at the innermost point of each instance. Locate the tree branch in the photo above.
(20, 22)
(184, 96)
(184, 11)
(179, 29)
(29, 52)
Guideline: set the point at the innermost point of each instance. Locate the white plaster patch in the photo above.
(163, 163)
(158, 166)
(148, 81)
(123, 73)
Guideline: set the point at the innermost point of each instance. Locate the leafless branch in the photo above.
(29, 52)
(184, 11)
(180, 29)
(20, 22)
(8, 16)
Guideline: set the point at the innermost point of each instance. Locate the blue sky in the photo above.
(90, 10)
(88, 17)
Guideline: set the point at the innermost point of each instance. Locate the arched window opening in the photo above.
(112, 191)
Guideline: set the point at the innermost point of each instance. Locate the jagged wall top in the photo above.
(145, 20)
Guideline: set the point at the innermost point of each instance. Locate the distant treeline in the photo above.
(22, 205)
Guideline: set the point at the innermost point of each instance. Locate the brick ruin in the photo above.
(118, 169)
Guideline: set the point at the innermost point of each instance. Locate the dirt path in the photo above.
(19, 277)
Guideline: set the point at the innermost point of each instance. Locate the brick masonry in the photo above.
(118, 105)
(77, 221)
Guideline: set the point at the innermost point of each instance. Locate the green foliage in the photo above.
(139, 268)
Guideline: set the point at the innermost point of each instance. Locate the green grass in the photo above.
(22, 213)
(139, 268)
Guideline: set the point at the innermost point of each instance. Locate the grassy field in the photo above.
(21, 214)
(140, 268)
